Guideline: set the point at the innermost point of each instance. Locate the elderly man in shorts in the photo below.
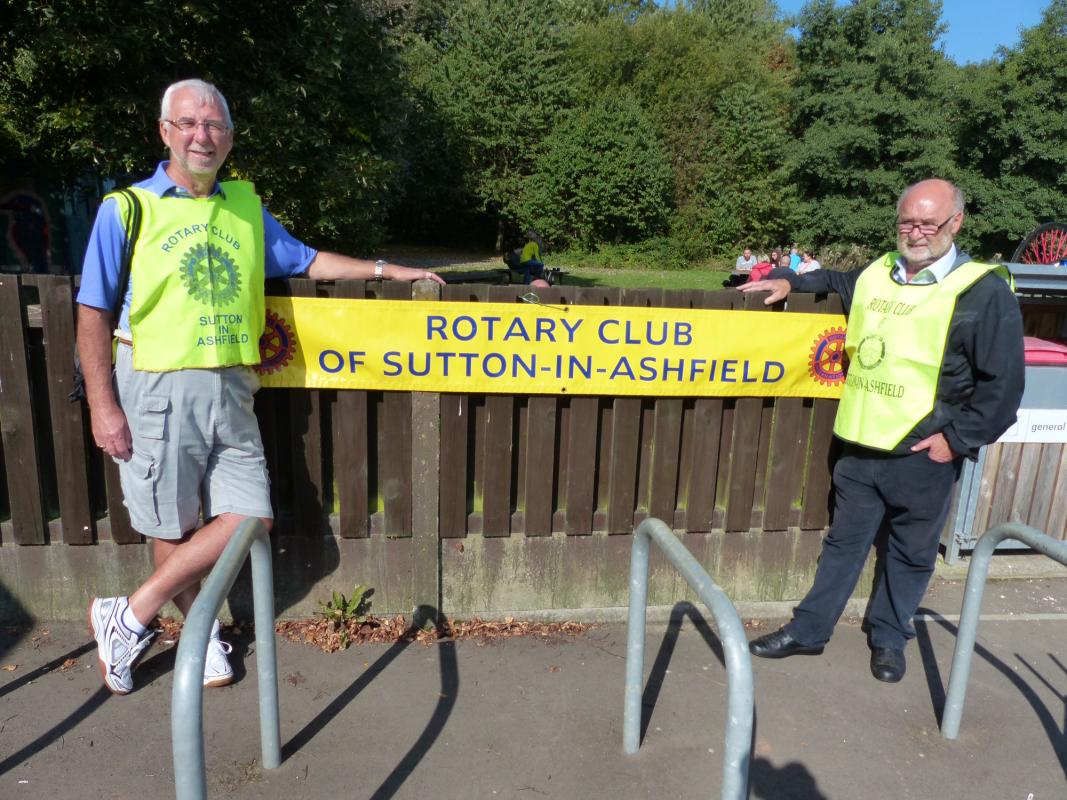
(176, 413)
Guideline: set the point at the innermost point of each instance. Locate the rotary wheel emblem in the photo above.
(871, 351)
(210, 275)
(276, 345)
(827, 362)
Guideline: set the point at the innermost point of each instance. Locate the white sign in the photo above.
(1038, 425)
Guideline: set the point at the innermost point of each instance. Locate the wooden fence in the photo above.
(526, 466)
(509, 464)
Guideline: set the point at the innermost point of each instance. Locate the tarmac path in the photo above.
(530, 719)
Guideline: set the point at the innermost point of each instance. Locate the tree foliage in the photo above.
(601, 177)
(1012, 134)
(868, 112)
(744, 196)
(459, 119)
(313, 88)
(713, 79)
(498, 82)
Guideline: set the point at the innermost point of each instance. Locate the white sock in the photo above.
(131, 622)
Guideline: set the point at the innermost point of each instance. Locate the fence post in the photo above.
(425, 487)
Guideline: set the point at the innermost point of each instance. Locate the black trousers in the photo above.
(912, 494)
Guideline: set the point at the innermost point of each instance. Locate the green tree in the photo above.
(702, 72)
(1012, 135)
(868, 104)
(498, 82)
(313, 87)
(600, 178)
(744, 197)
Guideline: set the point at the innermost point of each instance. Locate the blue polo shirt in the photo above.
(284, 256)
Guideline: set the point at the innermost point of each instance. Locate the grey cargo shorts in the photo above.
(196, 447)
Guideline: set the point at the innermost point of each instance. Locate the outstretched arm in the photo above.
(336, 267)
(779, 289)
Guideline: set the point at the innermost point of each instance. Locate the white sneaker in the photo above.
(217, 669)
(117, 646)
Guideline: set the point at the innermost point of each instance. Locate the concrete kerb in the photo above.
(1005, 568)
(47, 584)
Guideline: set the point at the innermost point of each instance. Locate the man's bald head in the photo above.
(935, 187)
(929, 215)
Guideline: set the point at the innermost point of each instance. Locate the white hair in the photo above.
(205, 93)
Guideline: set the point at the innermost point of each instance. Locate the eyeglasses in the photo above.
(925, 228)
(213, 127)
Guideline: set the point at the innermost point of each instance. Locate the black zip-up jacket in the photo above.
(981, 381)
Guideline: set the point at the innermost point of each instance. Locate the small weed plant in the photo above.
(342, 612)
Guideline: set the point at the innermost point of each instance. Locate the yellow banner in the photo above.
(513, 348)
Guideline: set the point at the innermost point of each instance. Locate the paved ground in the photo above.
(532, 719)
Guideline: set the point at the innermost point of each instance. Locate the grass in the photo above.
(705, 279)
(443, 260)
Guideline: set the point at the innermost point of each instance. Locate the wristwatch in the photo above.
(379, 269)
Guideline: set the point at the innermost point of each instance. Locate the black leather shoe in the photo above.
(887, 664)
(780, 645)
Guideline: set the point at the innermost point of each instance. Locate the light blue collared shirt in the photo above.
(935, 273)
(284, 255)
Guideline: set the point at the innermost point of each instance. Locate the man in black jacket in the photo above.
(935, 343)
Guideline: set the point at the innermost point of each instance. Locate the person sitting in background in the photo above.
(763, 269)
(530, 263)
(745, 262)
(807, 263)
(794, 258)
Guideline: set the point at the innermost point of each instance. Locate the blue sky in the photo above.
(975, 27)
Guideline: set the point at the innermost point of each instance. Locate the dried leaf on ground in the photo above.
(170, 630)
(331, 636)
(295, 679)
(9, 667)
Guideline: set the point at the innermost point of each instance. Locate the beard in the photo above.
(926, 251)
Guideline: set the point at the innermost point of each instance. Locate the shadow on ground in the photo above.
(791, 782)
(148, 672)
(448, 694)
(1054, 728)
(16, 620)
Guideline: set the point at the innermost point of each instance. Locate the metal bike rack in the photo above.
(735, 648)
(972, 605)
(187, 698)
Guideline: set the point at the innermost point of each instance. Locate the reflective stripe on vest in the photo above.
(197, 278)
(896, 345)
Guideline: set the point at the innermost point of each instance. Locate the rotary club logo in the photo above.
(210, 275)
(827, 361)
(277, 344)
(871, 351)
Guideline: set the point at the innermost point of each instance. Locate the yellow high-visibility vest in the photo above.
(197, 277)
(531, 252)
(895, 346)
